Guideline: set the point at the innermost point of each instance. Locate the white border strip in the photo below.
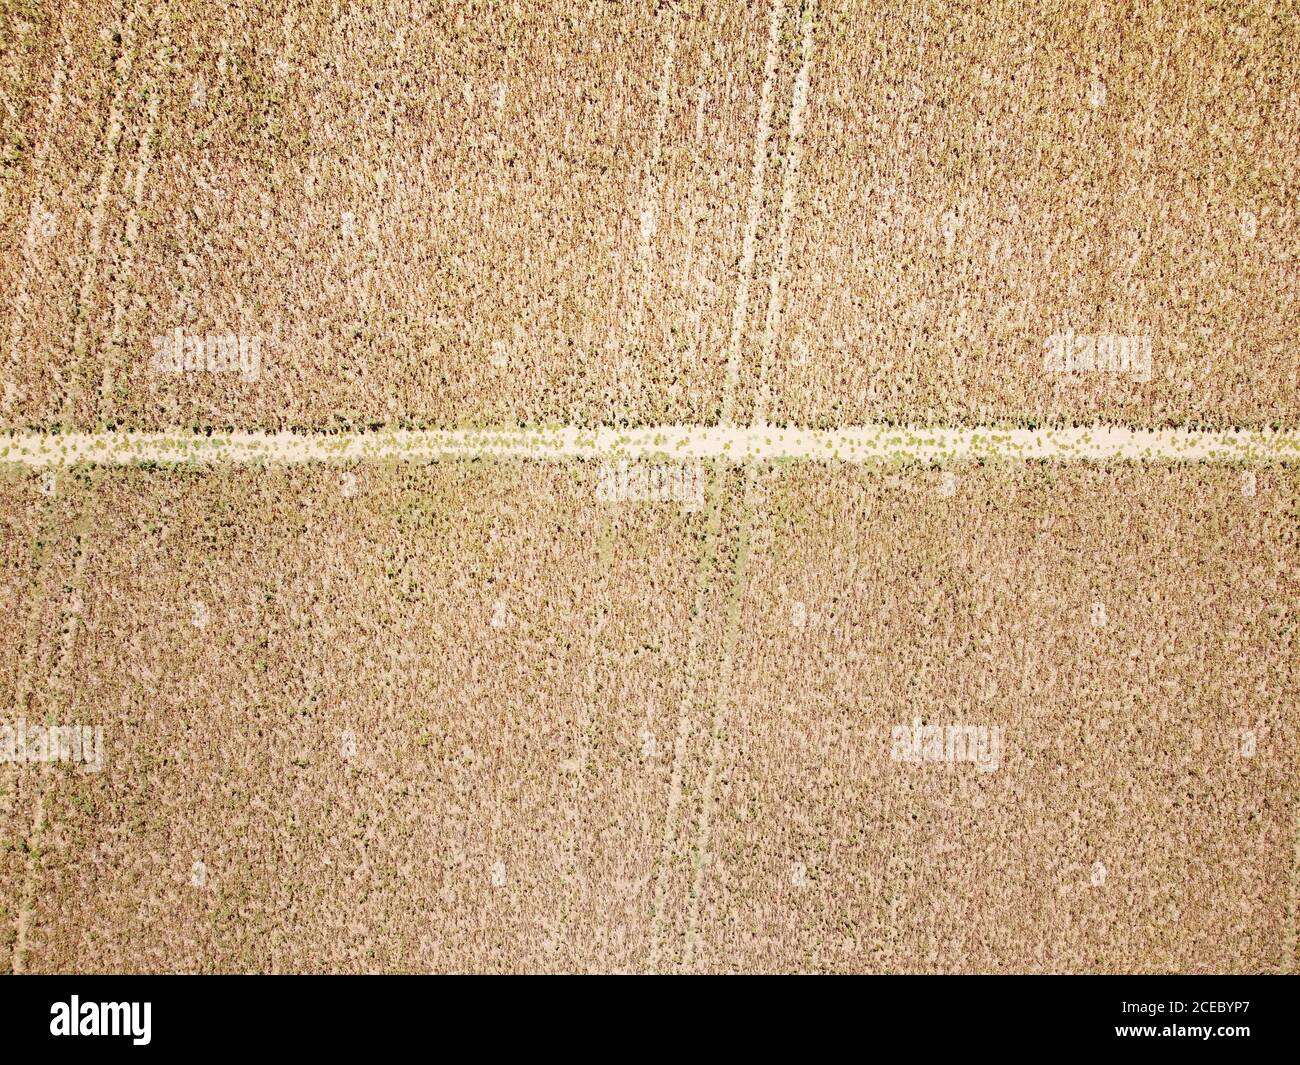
(861, 444)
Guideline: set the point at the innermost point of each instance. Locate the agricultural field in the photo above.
(542, 545)
(353, 721)
(435, 222)
(593, 214)
(980, 178)
(1132, 633)
(408, 718)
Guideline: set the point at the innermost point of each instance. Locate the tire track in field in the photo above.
(713, 521)
(789, 192)
(694, 667)
(722, 703)
(122, 292)
(27, 655)
(1290, 946)
(647, 222)
(23, 297)
(582, 717)
(122, 65)
(70, 617)
(749, 243)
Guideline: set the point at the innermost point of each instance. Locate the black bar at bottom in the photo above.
(222, 1014)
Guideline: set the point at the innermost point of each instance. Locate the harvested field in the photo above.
(42, 556)
(690, 487)
(812, 215)
(63, 73)
(978, 178)
(1133, 634)
(544, 757)
(300, 689)
(485, 216)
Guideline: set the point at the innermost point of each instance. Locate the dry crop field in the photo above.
(807, 486)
